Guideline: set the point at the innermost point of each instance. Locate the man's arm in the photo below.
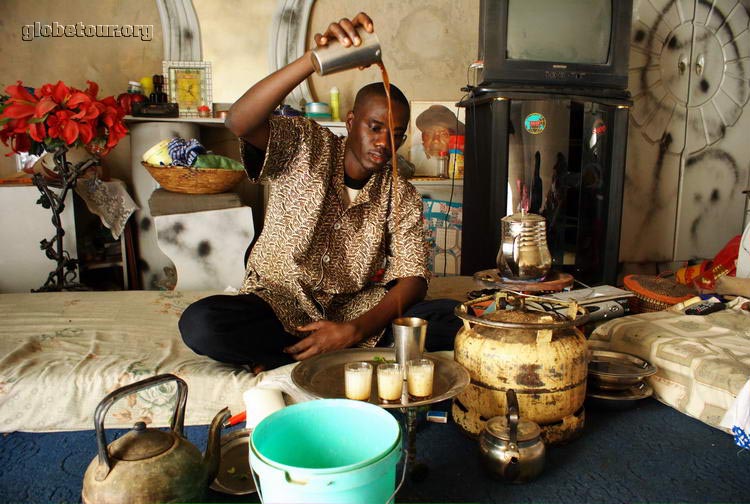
(326, 335)
(248, 117)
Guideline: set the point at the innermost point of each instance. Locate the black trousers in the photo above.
(243, 329)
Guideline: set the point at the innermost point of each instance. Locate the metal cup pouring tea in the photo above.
(335, 57)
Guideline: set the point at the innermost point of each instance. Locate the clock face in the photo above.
(188, 88)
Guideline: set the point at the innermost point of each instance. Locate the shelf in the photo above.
(207, 121)
(210, 121)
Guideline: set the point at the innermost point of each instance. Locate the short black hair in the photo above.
(378, 89)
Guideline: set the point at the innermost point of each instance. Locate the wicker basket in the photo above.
(195, 181)
(654, 293)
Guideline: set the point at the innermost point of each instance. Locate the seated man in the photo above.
(342, 252)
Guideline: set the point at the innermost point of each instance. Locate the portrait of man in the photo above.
(433, 123)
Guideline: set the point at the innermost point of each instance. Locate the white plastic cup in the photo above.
(259, 403)
(358, 380)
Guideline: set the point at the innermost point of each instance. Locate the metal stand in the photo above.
(418, 470)
(321, 376)
(64, 275)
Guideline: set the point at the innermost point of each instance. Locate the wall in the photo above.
(427, 47)
(234, 34)
(109, 61)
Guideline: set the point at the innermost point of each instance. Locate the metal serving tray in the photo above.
(234, 476)
(323, 375)
(617, 370)
(619, 399)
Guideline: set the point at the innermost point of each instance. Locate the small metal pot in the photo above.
(512, 449)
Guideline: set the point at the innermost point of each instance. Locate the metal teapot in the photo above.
(523, 253)
(512, 449)
(151, 465)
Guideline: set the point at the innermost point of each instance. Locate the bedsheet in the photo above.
(703, 361)
(61, 353)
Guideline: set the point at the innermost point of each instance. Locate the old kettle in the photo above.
(512, 449)
(151, 465)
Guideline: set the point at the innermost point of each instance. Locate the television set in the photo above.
(578, 44)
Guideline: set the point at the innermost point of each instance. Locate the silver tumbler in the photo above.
(408, 336)
(334, 57)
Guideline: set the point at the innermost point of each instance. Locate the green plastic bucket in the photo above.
(326, 451)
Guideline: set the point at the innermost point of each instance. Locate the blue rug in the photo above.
(648, 454)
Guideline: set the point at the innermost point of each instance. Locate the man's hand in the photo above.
(326, 336)
(345, 31)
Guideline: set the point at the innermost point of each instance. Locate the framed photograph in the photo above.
(188, 83)
(430, 130)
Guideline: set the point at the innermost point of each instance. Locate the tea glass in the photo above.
(419, 378)
(390, 382)
(358, 380)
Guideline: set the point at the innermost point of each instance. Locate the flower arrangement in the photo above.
(54, 116)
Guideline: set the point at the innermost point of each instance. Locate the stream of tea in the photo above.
(392, 137)
(394, 156)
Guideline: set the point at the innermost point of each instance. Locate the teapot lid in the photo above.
(523, 217)
(141, 443)
(498, 427)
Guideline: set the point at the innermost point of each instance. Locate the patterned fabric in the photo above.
(184, 152)
(109, 200)
(703, 361)
(316, 256)
(61, 353)
(741, 438)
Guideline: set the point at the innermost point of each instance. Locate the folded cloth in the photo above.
(108, 200)
(281, 379)
(184, 152)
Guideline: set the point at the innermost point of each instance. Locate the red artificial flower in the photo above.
(57, 112)
(37, 131)
(62, 126)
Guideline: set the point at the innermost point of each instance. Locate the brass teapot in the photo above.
(151, 465)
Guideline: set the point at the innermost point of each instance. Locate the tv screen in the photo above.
(579, 44)
(539, 30)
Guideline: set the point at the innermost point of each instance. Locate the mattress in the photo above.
(703, 361)
(63, 352)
